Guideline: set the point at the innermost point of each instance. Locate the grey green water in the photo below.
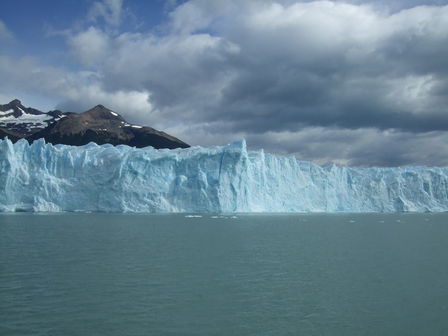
(104, 274)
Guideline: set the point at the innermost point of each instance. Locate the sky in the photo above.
(357, 83)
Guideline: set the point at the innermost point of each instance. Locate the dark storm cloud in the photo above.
(392, 77)
(285, 104)
(363, 147)
(284, 67)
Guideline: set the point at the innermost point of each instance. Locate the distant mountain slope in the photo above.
(98, 124)
(24, 121)
(11, 136)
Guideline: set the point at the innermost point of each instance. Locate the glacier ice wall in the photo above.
(43, 177)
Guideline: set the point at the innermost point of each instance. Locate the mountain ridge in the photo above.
(98, 124)
(23, 121)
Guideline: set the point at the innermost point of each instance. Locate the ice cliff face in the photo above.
(42, 177)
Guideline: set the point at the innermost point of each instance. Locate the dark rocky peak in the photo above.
(14, 108)
(11, 105)
(15, 102)
(101, 112)
(18, 109)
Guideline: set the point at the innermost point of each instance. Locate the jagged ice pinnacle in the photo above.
(43, 177)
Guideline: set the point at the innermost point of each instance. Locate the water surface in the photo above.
(109, 274)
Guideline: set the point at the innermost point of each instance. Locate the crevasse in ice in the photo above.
(43, 177)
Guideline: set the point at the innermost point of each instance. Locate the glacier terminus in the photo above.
(50, 178)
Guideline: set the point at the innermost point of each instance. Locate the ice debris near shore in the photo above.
(43, 177)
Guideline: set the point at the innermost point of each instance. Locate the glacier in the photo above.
(45, 178)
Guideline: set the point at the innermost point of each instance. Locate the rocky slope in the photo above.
(20, 121)
(99, 124)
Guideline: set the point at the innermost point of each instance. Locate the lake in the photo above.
(302, 274)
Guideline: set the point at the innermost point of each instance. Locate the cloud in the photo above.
(192, 16)
(90, 46)
(5, 34)
(110, 11)
(330, 64)
(283, 67)
(328, 81)
(134, 104)
(77, 91)
(362, 147)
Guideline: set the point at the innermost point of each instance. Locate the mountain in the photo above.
(11, 136)
(99, 124)
(21, 121)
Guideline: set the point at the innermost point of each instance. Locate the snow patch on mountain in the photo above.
(6, 112)
(28, 120)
